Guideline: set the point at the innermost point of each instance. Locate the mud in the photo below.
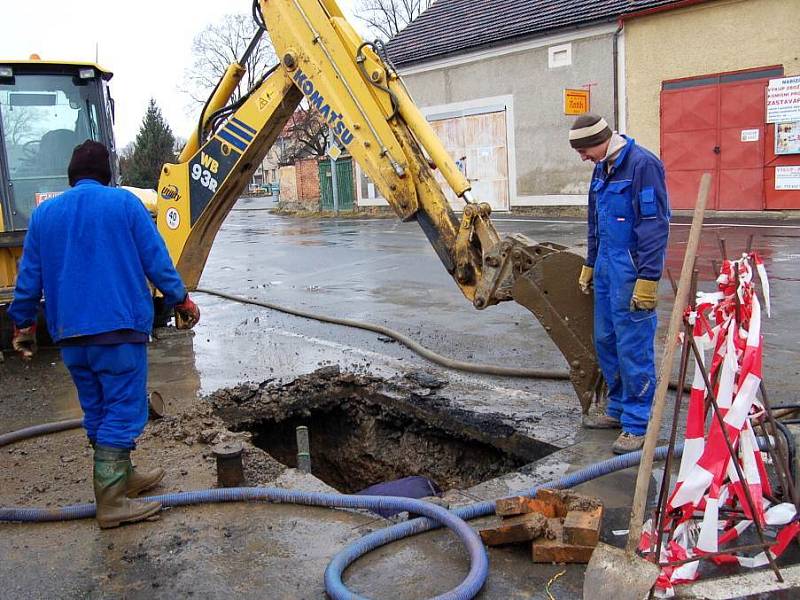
(56, 470)
(365, 430)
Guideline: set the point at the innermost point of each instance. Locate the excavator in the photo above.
(353, 87)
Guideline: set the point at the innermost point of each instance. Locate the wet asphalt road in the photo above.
(384, 271)
(377, 270)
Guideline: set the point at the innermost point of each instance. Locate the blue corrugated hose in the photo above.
(434, 517)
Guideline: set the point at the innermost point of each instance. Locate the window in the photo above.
(559, 56)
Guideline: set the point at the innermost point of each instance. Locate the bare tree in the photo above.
(19, 125)
(386, 18)
(216, 47)
(305, 135)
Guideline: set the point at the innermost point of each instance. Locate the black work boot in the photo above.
(112, 469)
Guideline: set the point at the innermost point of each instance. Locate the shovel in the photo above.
(612, 573)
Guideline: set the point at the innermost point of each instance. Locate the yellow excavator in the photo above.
(353, 87)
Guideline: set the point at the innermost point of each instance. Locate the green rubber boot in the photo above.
(112, 468)
(138, 480)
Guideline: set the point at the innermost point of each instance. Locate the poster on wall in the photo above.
(787, 178)
(787, 138)
(783, 100)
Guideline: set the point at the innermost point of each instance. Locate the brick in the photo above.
(556, 550)
(583, 528)
(515, 529)
(519, 505)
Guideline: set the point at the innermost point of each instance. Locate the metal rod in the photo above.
(778, 448)
(749, 246)
(723, 249)
(745, 488)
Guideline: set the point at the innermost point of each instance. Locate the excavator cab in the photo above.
(46, 109)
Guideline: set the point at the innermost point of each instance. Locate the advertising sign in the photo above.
(783, 100)
(576, 102)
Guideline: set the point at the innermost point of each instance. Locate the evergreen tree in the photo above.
(153, 147)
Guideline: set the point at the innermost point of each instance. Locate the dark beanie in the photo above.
(588, 130)
(89, 161)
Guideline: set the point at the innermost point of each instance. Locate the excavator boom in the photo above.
(356, 92)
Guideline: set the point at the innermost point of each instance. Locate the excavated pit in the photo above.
(365, 430)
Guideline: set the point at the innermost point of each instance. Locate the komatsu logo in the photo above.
(317, 100)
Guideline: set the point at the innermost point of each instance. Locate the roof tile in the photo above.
(454, 26)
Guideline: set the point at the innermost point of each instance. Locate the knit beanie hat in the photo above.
(89, 161)
(588, 130)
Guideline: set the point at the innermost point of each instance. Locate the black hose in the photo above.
(432, 356)
(791, 448)
(403, 339)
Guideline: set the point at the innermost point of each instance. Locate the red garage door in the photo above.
(715, 124)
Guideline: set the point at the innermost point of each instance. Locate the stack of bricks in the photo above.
(561, 526)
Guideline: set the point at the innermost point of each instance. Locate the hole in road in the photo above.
(371, 438)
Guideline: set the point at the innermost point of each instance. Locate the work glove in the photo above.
(645, 295)
(186, 314)
(24, 341)
(585, 280)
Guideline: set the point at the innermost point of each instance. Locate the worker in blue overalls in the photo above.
(91, 251)
(628, 221)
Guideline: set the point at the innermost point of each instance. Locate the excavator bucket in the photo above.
(545, 282)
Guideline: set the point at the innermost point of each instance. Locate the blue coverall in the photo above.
(90, 251)
(628, 229)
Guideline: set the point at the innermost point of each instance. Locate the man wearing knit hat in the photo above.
(91, 251)
(628, 222)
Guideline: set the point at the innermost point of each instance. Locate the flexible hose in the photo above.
(351, 553)
(36, 430)
(432, 356)
(403, 339)
(435, 517)
(468, 588)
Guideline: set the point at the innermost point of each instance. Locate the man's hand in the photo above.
(24, 341)
(585, 279)
(645, 295)
(186, 314)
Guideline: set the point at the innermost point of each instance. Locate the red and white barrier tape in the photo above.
(729, 323)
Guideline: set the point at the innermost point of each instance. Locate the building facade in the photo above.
(699, 78)
(502, 81)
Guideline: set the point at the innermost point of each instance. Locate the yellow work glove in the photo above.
(585, 280)
(645, 295)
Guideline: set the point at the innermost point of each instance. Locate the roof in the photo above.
(451, 27)
(36, 63)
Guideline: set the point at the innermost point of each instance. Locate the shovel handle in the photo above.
(654, 425)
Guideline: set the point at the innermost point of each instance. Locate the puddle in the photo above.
(365, 430)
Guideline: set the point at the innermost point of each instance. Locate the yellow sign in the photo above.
(576, 102)
(334, 151)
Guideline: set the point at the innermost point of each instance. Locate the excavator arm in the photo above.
(356, 91)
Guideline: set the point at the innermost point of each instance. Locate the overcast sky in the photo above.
(146, 44)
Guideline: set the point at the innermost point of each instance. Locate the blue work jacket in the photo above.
(90, 252)
(629, 210)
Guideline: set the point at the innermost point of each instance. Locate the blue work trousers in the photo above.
(112, 389)
(623, 340)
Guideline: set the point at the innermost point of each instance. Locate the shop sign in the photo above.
(576, 102)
